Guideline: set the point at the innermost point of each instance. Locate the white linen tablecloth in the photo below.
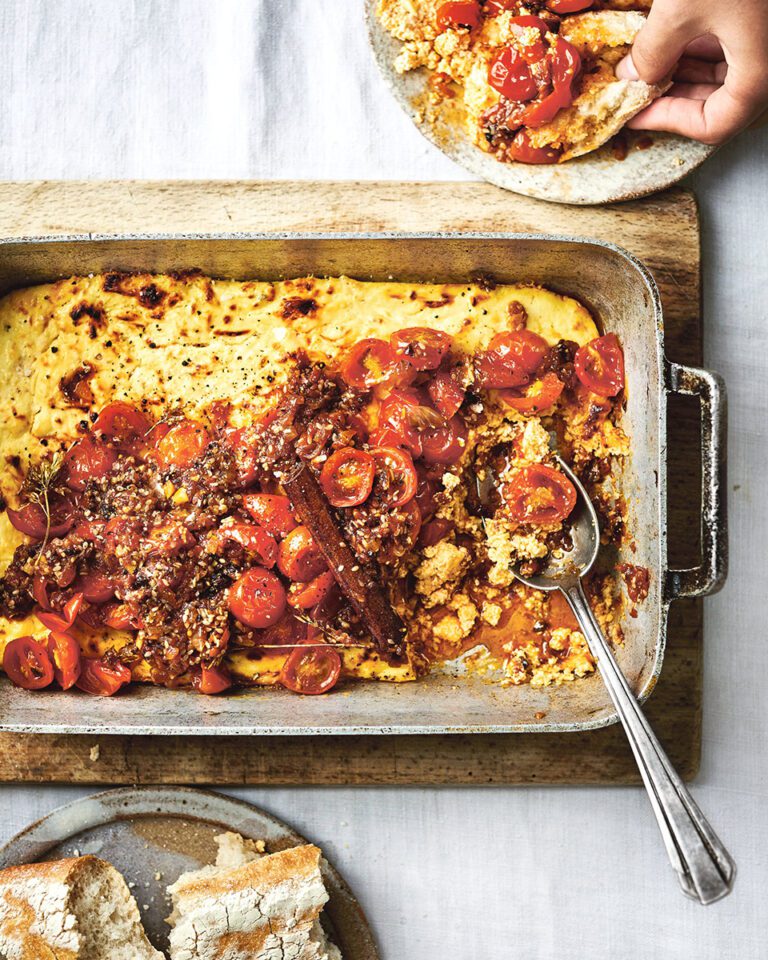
(265, 89)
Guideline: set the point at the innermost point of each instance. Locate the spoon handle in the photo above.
(705, 869)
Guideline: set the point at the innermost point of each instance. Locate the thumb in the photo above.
(657, 48)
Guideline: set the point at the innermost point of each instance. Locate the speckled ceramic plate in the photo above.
(154, 834)
(650, 162)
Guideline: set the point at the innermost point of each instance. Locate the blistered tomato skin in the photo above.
(257, 598)
(311, 670)
(347, 477)
(600, 365)
(299, 557)
(271, 511)
(539, 494)
(28, 664)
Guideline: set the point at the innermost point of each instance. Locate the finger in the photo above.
(693, 91)
(712, 121)
(705, 48)
(659, 45)
(691, 70)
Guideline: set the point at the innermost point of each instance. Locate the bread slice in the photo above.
(251, 907)
(78, 909)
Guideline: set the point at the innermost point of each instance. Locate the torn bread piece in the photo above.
(78, 909)
(251, 906)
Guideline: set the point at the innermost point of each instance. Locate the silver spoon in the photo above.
(705, 869)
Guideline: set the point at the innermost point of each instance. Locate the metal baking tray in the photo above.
(623, 296)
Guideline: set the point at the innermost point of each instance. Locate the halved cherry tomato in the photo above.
(30, 519)
(406, 415)
(458, 13)
(529, 31)
(64, 653)
(304, 596)
(510, 75)
(122, 423)
(212, 680)
(299, 556)
(446, 393)
(537, 396)
(284, 635)
(102, 679)
(396, 477)
(373, 361)
(521, 149)
(511, 359)
(566, 65)
(446, 444)
(434, 531)
(311, 670)
(61, 622)
(257, 598)
(600, 365)
(569, 6)
(539, 494)
(251, 537)
(347, 477)
(97, 586)
(246, 456)
(271, 511)
(425, 495)
(183, 444)
(121, 616)
(422, 347)
(88, 458)
(27, 663)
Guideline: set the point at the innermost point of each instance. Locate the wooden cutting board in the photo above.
(663, 231)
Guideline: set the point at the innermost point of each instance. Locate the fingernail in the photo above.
(625, 70)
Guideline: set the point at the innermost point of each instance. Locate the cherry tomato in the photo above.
(520, 148)
(304, 596)
(121, 616)
(434, 531)
(88, 458)
(182, 445)
(566, 65)
(61, 622)
(539, 494)
(246, 456)
(102, 679)
(396, 477)
(510, 75)
(30, 519)
(446, 444)
(27, 663)
(212, 680)
(311, 670)
(511, 359)
(446, 394)
(284, 635)
(529, 31)
(425, 495)
(600, 365)
(122, 535)
(458, 13)
(373, 361)
(122, 423)
(252, 538)
(406, 415)
(423, 347)
(569, 6)
(97, 586)
(271, 511)
(299, 557)
(257, 599)
(64, 653)
(538, 396)
(347, 477)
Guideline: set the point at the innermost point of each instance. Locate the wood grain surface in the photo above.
(662, 230)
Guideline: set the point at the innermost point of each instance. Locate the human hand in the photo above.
(717, 52)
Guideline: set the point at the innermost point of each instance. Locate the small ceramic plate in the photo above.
(154, 834)
(650, 162)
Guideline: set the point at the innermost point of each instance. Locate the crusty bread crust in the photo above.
(38, 914)
(263, 909)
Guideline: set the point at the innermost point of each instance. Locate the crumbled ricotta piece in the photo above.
(443, 564)
(505, 548)
(491, 613)
(534, 445)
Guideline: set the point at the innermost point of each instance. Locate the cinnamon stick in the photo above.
(357, 580)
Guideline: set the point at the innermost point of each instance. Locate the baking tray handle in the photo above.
(710, 574)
